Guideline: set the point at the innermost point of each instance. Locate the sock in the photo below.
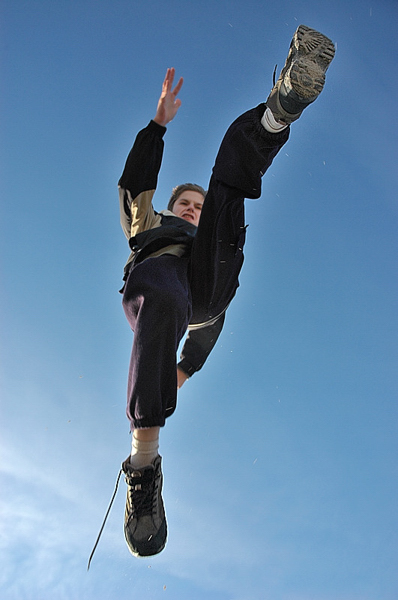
(269, 122)
(143, 453)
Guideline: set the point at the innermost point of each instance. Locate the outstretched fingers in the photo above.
(168, 104)
(168, 82)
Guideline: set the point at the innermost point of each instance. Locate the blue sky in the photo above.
(281, 460)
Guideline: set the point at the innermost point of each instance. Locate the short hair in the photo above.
(184, 187)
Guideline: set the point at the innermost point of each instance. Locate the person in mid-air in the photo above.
(183, 269)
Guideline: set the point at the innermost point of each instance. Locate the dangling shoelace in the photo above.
(105, 519)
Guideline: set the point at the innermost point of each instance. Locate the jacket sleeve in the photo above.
(139, 180)
(198, 345)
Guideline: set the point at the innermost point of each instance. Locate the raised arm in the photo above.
(168, 104)
(139, 179)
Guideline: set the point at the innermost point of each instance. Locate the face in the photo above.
(188, 206)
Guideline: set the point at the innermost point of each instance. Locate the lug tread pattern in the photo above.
(310, 55)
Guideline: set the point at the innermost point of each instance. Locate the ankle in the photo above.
(271, 124)
(144, 451)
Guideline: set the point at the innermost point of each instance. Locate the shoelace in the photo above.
(142, 493)
(105, 519)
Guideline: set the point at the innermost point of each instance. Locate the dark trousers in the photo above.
(164, 294)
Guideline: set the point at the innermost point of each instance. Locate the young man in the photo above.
(184, 264)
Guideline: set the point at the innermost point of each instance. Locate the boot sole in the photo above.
(312, 53)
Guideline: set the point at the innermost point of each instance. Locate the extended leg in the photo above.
(246, 152)
(157, 304)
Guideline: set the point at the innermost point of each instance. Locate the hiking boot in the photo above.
(303, 76)
(145, 527)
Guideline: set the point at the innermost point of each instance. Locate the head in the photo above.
(186, 202)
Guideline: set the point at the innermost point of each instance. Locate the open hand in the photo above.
(168, 104)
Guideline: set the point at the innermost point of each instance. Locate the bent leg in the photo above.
(157, 304)
(245, 154)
